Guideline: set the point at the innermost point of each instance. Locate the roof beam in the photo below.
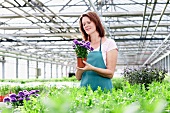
(77, 26)
(77, 14)
(76, 34)
(116, 39)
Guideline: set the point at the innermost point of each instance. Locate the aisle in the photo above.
(33, 84)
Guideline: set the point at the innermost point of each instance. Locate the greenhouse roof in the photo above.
(45, 29)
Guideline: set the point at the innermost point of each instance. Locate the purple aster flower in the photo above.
(91, 49)
(20, 99)
(83, 41)
(37, 95)
(82, 48)
(32, 91)
(88, 43)
(25, 91)
(6, 99)
(76, 42)
(74, 46)
(27, 94)
(21, 94)
(27, 98)
(13, 99)
(13, 95)
(37, 91)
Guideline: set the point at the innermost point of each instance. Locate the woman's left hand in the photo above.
(87, 66)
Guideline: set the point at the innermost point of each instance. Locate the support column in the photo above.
(56, 70)
(44, 70)
(66, 70)
(37, 71)
(51, 70)
(16, 67)
(28, 69)
(168, 64)
(3, 68)
(61, 71)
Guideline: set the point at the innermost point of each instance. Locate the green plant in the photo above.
(144, 75)
(4, 90)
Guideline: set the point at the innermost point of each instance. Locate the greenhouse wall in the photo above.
(163, 63)
(14, 68)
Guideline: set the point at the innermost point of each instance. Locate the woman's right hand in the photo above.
(79, 73)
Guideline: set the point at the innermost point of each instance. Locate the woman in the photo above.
(101, 62)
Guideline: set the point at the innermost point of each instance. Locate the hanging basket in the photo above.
(80, 63)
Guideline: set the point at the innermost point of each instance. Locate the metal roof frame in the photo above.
(138, 27)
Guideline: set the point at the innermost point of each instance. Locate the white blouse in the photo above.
(108, 45)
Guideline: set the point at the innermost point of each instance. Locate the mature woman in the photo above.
(101, 62)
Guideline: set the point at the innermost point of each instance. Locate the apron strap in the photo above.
(100, 44)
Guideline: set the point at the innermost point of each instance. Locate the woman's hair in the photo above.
(94, 18)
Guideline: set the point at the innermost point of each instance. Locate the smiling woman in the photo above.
(100, 66)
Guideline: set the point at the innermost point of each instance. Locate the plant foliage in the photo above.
(144, 75)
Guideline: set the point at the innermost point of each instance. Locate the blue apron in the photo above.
(93, 79)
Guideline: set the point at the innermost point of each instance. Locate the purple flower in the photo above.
(6, 99)
(37, 95)
(26, 93)
(91, 49)
(13, 95)
(21, 94)
(37, 91)
(88, 43)
(20, 99)
(27, 98)
(32, 91)
(81, 48)
(13, 99)
(76, 42)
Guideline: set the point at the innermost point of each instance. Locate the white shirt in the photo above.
(108, 45)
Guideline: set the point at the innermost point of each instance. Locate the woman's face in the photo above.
(88, 25)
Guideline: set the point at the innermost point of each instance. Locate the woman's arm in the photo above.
(111, 60)
(79, 73)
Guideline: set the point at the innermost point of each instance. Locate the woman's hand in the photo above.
(87, 67)
(80, 71)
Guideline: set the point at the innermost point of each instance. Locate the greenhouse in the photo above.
(38, 61)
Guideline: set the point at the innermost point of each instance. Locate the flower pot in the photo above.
(80, 62)
(1, 98)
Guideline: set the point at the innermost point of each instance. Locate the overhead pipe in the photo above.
(33, 16)
(160, 17)
(150, 19)
(157, 23)
(76, 26)
(50, 18)
(143, 18)
(77, 14)
(26, 43)
(27, 19)
(70, 35)
(56, 15)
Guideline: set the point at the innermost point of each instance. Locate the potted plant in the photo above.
(4, 90)
(81, 48)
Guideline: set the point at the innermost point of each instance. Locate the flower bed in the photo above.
(123, 99)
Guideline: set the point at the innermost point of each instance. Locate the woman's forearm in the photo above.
(103, 72)
(79, 74)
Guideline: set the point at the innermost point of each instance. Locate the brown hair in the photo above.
(95, 18)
